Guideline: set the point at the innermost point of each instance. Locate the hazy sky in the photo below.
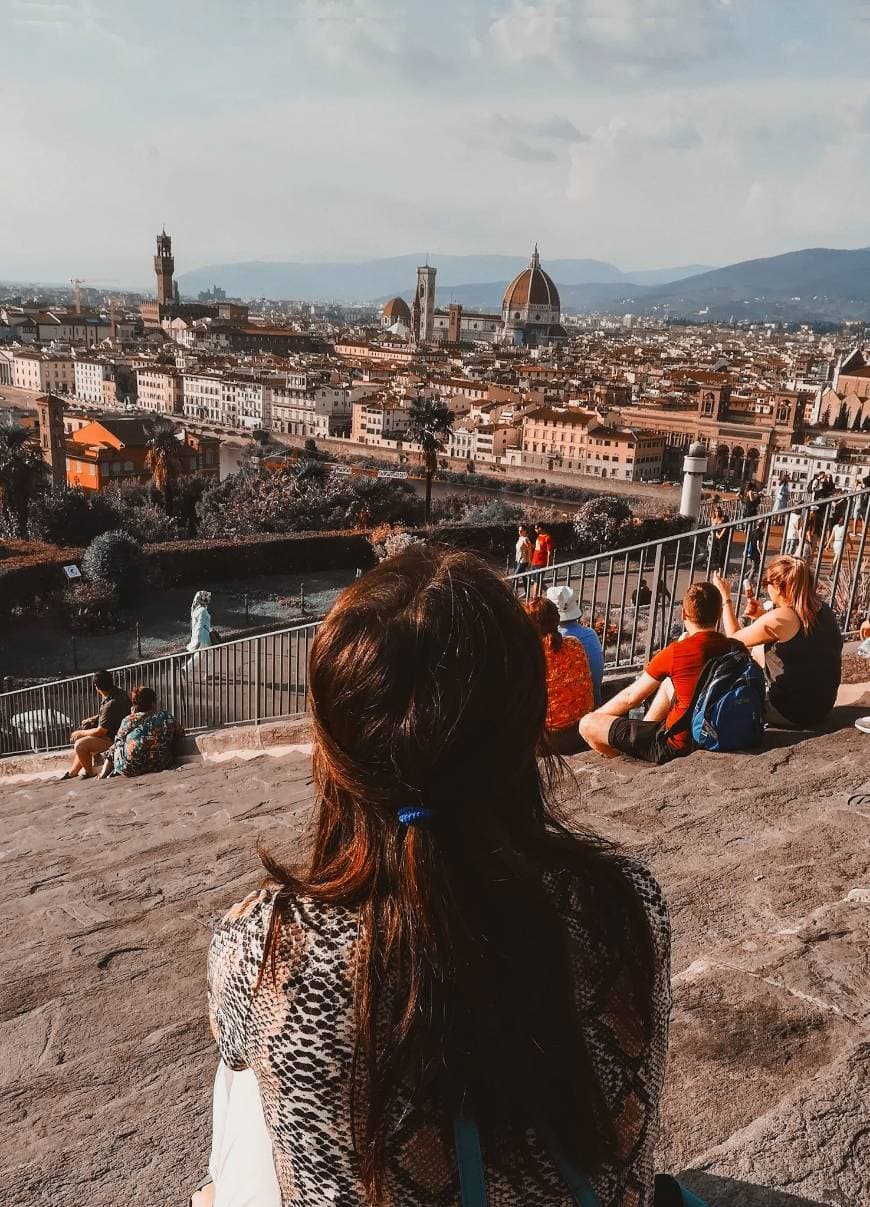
(645, 132)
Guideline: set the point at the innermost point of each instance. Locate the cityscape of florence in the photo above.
(435, 603)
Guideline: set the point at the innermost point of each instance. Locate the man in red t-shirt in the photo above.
(673, 673)
(543, 552)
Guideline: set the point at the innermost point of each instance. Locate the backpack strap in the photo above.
(469, 1161)
(472, 1176)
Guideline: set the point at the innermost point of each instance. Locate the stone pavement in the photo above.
(109, 890)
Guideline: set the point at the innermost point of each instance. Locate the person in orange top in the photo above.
(570, 694)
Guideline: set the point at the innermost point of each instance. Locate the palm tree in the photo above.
(431, 422)
(23, 474)
(163, 458)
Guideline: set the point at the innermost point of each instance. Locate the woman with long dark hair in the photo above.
(451, 951)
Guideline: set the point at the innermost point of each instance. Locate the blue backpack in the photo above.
(727, 709)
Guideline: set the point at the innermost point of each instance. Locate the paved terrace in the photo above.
(109, 890)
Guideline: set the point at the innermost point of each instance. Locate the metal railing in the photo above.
(631, 596)
(241, 682)
(734, 509)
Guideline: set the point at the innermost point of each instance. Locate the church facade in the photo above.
(530, 316)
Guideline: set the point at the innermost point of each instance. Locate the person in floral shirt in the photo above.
(146, 738)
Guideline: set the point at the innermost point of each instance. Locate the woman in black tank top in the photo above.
(800, 639)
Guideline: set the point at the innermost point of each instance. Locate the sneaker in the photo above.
(863, 723)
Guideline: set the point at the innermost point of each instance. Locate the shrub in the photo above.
(115, 559)
(388, 540)
(73, 516)
(601, 523)
(491, 511)
(91, 608)
(260, 501)
(76, 516)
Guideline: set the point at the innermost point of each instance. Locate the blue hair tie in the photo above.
(415, 816)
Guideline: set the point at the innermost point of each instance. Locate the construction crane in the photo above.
(77, 283)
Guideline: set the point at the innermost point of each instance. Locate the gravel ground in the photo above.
(109, 890)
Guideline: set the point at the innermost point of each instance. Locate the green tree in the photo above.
(431, 422)
(163, 458)
(23, 476)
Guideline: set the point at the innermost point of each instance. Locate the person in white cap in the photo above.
(569, 626)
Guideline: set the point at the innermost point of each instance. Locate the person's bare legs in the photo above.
(595, 726)
(85, 749)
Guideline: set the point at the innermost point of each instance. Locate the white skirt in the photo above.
(241, 1163)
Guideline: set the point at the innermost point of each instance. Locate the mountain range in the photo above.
(370, 280)
(812, 284)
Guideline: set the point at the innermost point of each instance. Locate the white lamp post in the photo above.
(694, 469)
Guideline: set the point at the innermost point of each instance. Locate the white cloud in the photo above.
(637, 35)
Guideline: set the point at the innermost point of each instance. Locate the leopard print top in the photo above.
(296, 1033)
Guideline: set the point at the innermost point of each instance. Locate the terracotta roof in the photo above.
(397, 308)
(532, 287)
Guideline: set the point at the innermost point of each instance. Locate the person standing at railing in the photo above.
(751, 502)
(717, 542)
(542, 555)
(793, 534)
(200, 622)
(524, 550)
(780, 499)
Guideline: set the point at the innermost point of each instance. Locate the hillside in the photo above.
(816, 282)
(368, 280)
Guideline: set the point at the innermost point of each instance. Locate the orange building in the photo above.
(114, 450)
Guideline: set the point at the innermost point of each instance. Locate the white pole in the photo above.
(694, 469)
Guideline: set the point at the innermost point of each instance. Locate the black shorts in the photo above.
(641, 740)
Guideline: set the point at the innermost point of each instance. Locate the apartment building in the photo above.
(112, 449)
(201, 396)
(554, 439)
(318, 410)
(801, 462)
(90, 376)
(480, 440)
(624, 454)
(379, 421)
(44, 372)
(159, 389)
(575, 439)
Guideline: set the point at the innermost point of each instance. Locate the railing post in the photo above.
(45, 718)
(173, 665)
(257, 681)
(654, 604)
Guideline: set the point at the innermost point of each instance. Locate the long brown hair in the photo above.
(792, 577)
(545, 614)
(428, 690)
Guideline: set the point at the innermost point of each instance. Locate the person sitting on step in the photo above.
(98, 733)
(671, 676)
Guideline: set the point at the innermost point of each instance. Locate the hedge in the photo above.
(35, 573)
(201, 562)
(38, 574)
